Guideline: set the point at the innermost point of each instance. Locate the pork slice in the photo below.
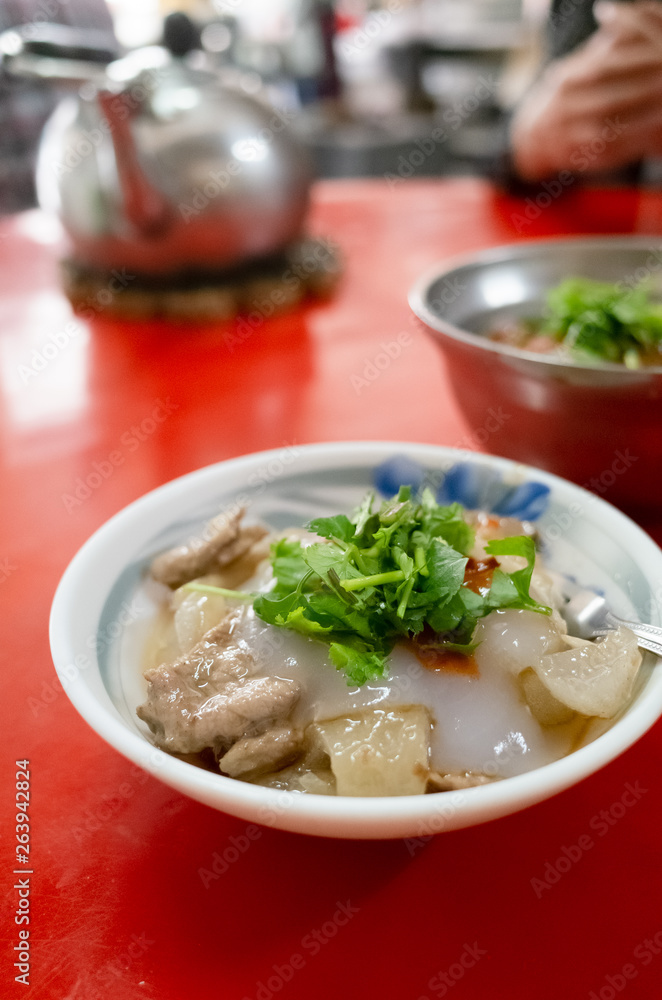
(244, 541)
(224, 717)
(219, 657)
(256, 755)
(239, 709)
(211, 696)
(253, 560)
(186, 562)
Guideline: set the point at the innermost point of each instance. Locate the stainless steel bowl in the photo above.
(598, 425)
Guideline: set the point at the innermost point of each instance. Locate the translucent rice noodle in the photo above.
(378, 752)
(514, 640)
(594, 678)
(547, 709)
(195, 614)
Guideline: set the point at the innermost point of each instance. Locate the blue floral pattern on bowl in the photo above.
(475, 486)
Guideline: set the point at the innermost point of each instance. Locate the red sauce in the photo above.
(477, 577)
(432, 657)
(478, 574)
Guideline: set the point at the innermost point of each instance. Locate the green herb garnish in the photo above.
(387, 575)
(596, 320)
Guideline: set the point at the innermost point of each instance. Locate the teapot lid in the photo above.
(52, 51)
(55, 51)
(180, 34)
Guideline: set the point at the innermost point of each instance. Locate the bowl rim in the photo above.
(334, 816)
(499, 253)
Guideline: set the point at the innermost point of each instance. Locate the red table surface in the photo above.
(561, 900)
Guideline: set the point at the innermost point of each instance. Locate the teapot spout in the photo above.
(145, 207)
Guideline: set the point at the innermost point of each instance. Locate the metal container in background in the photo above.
(599, 425)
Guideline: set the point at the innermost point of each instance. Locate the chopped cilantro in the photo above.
(597, 320)
(385, 575)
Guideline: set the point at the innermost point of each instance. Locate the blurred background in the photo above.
(393, 88)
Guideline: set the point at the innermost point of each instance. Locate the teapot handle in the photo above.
(58, 52)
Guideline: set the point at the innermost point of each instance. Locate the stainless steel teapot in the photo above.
(158, 167)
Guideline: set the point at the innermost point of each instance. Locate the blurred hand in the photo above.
(600, 107)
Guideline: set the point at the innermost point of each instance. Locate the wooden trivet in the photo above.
(266, 287)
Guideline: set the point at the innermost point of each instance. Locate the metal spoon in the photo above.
(587, 615)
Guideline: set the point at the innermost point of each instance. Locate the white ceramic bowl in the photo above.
(99, 611)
